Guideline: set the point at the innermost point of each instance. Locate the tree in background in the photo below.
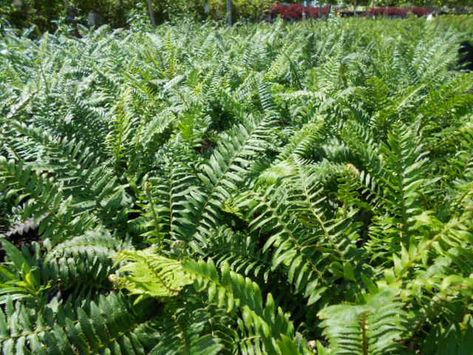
(45, 13)
(24, 13)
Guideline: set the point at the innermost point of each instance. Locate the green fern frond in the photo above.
(375, 327)
(225, 170)
(45, 201)
(79, 170)
(147, 274)
(261, 319)
(299, 234)
(190, 329)
(165, 216)
(87, 260)
(109, 324)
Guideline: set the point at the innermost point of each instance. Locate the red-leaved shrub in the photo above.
(294, 12)
(421, 11)
(398, 11)
(388, 11)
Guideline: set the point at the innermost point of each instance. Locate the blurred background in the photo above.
(49, 14)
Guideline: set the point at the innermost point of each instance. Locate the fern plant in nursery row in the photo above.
(263, 189)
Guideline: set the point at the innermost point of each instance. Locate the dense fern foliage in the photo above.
(265, 189)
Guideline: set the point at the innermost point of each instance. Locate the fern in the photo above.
(106, 325)
(297, 228)
(206, 189)
(87, 260)
(155, 276)
(231, 290)
(151, 275)
(45, 201)
(224, 171)
(185, 330)
(371, 328)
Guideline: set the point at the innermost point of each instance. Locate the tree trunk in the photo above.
(151, 12)
(229, 12)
